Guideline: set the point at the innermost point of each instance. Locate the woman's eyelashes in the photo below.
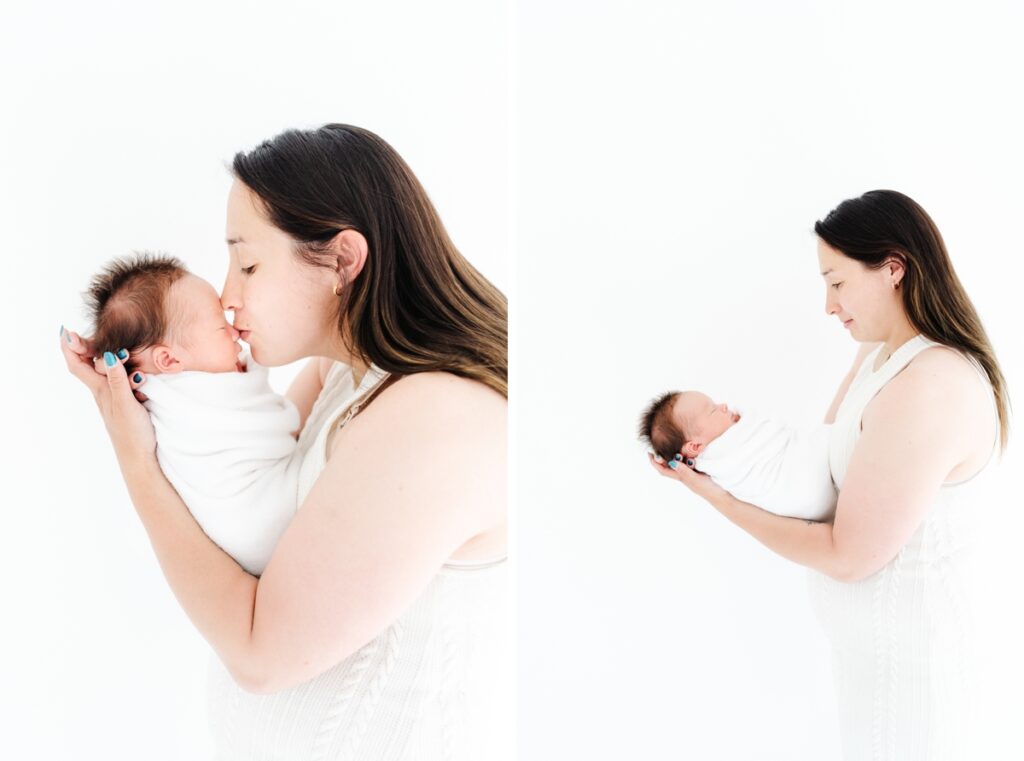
(836, 285)
(248, 270)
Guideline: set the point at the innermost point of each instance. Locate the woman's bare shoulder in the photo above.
(944, 364)
(447, 390)
(439, 404)
(939, 373)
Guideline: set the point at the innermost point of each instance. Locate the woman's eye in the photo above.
(836, 285)
(248, 270)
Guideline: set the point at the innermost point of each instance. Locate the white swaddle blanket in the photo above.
(779, 468)
(224, 441)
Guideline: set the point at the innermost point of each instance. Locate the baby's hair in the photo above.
(127, 303)
(659, 430)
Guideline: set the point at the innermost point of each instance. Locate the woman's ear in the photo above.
(349, 248)
(897, 269)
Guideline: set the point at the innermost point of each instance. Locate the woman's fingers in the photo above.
(112, 365)
(77, 356)
(682, 470)
(659, 465)
(91, 370)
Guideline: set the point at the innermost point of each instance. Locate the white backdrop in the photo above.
(119, 120)
(673, 158)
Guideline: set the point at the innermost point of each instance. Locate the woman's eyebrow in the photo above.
(233, 241)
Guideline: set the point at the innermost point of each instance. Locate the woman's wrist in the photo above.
(138, 465)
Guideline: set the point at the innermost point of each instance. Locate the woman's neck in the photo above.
(900, 334)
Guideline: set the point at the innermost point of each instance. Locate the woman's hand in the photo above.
(127, 421)
(699, 483)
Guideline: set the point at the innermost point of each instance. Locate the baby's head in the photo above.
(168, 319)
(684, 421)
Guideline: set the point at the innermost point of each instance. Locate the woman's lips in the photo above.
(847, 323)
(244, 334)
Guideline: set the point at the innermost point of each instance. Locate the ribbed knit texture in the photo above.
(422, 690)
(901, 638)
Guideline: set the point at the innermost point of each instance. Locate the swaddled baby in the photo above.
(225, 440)
(757, 459)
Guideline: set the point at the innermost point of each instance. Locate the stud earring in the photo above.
(336, 291)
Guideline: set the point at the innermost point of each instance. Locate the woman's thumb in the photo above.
(113, 366)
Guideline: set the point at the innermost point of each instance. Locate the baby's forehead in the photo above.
(195, 291)
(691, 399)
(193, 299)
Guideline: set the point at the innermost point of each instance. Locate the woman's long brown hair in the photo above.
(882, 224)
(418, 304)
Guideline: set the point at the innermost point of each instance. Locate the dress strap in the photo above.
(344, 415)
(374, 392)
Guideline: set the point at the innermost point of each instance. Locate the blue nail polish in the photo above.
(67, 335)
(137, 378)
(673, 464)
(689, 462)
(678, 456)
(62, 330)
(122, 353)
(108, 359)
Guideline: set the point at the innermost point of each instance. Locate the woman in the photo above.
(373, 632)
(914, 422)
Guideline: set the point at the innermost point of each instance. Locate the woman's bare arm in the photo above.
(421, 470)
(903, 455)
(862, 352)
(306, 387)
(414, 492)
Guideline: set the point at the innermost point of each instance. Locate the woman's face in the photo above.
(284, 308)
(863, 299)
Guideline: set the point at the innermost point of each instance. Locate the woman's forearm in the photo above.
(216, 593)
(805, 542)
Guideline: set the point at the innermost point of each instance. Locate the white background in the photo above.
(673, 158)
(119, 119)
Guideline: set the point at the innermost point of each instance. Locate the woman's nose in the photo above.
(230, 299)
(831, 307)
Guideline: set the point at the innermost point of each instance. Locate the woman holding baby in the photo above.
(374, 631)
(889, 573)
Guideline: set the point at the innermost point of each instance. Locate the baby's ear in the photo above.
(165, 361)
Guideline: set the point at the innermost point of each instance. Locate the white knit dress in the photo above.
(422, 690)
(901, 638)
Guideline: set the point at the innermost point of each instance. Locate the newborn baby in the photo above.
(225, 440)
(759, 460)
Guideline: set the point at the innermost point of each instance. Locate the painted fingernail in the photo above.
(137, 378)
(689, 462)
(62, 330)
(67, 335)
(673, 464)
(122, 353)
(108, 359)
(678, 457)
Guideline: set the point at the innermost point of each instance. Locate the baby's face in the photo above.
(702, 419)
(204, 339)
